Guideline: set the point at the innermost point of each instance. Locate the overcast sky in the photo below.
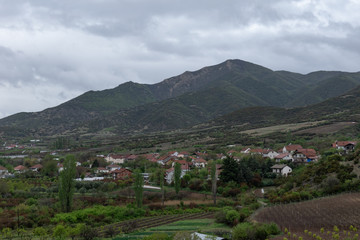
(52, 51)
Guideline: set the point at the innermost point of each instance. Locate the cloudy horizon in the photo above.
(52, 51)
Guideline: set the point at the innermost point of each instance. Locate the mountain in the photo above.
(181, 101)
(341, 108)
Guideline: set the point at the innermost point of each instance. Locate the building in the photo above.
(281, 169)
(344, 145)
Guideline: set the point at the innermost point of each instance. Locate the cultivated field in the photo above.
(326, 129)
(174, 224)
(342, 211)
(281, 128)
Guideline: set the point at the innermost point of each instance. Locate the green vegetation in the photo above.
(139, 188)
(67, 183)
(331, 174)
(168, 231)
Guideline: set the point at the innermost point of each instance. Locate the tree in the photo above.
(40, 232)
(59, 232)
(230, 170)
(139, 188)
(177, 175)
(162, 179)
(213, 180)
(49, 167)
(67, 183)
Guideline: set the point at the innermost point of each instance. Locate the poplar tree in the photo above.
(139, 188)
(177, 175)
(67, 183)
(213, 180)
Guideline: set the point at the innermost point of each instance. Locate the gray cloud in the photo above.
(52, 51)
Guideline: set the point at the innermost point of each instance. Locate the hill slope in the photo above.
(183, 101)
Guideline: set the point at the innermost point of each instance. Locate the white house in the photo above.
(113, 167)
(282, 169)
(246, 150)
(284, 157)
(344, 145)
(169, 177)
(199, 162)
(270, 153)
(119, 159)
(291, 148)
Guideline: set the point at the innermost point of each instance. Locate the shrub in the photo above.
(59, 232)
(40, 233)
(232, 217)
(241, 231)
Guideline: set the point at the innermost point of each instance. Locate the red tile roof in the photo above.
(37, 166)
(293, 147)
(20, 168)
(343, 143)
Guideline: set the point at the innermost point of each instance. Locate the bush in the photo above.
(241, 231)
(232, 217)
(247, 231)
(272, 229)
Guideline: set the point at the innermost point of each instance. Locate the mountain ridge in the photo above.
(183, 101)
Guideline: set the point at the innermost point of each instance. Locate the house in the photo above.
(183, 154)
(305, 155)
(20, 169)
(291, 148)
(122, 173)
(231, 152)
(113, 158)
(102, 170)
(199, 162)
(268, 153)
(60, 167)
(113, 167)
(181, 162)
(131, 157)
(169, 175)
(284, 157)
(281, 169)
(245, 150)
(3, 172)
(173, 154)
(36, 168)
(344, 145)
(221, 156)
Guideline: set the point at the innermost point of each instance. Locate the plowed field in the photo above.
(341, 211)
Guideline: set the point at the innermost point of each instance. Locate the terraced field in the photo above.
(145, 223)
(207, 226)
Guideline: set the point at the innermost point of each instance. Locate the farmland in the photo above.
(172, 227)
(341, 211)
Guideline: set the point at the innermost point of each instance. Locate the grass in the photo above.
(194, 225)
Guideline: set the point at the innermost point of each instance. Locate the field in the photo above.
(193, 225)
(342, 211)
(326, 129)
(280, 128)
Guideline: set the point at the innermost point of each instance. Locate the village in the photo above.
(118, 166)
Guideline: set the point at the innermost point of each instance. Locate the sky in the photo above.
(52, 51)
